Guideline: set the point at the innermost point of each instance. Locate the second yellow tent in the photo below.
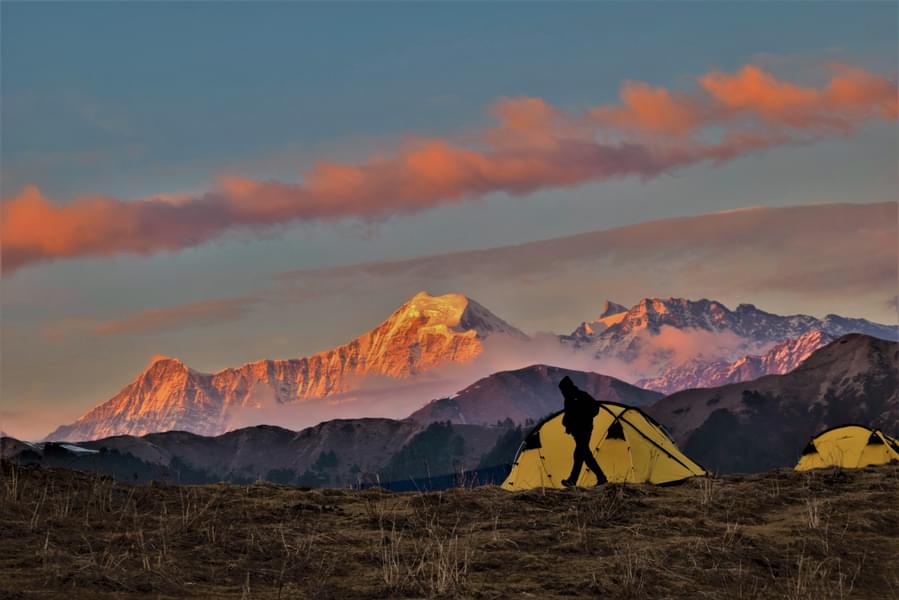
(849, 447)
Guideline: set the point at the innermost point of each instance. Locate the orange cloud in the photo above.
(651, 109)
(174, 317)
(851, 95)
(534, 146)
(194, 314)
(528, 122)
(868, 93)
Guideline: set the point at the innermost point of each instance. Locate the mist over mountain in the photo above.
(434, 345)
(699, 373)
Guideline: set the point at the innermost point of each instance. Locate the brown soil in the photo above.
(818, 535)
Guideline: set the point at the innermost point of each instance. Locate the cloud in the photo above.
(852, 95)
(651, 109)
(818, 259)
(207, 312)
(686, 344)
(194, 314)
(533, 146)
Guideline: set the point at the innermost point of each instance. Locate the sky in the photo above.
(169, 164)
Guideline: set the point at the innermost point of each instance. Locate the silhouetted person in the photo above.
(580, 408)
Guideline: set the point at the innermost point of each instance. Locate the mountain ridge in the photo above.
(423, 333)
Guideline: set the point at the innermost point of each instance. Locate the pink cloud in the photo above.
(196, 313)
(193, 314)
(534, 146)
(651, 109)
(852, 95)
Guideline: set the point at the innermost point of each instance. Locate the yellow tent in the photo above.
(629, 446)
(849, 446)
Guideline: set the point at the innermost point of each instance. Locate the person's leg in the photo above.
(576, 467)
(593, 465)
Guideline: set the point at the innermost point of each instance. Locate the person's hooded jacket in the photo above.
(580, 407)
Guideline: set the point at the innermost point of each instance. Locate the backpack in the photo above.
(579, 409)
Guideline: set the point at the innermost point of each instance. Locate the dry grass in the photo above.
(829, 535)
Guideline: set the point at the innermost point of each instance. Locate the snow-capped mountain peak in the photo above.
(450, 313)
(424, 332)
(611, 308)
(611, 314)
(163, 366)
(705, 329)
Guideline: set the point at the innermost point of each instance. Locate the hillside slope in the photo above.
(761, 424)
(341, 452)
(526, 394)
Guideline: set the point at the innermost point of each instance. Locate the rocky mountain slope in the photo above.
(761, 424)
(526, 394)
(698, 373)
(425, 332)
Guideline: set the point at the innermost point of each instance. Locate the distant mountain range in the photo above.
(738, 427)
(627, 334)
(761, 424)
(335, 453)
(343, 451)
(674, 343)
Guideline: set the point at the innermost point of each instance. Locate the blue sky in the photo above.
(136, 99)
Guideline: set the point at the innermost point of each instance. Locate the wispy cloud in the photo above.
(532, 146)
(813, 259)
(780, 257)
(194, 314)
(207, 312)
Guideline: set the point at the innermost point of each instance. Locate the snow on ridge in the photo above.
(79, 449)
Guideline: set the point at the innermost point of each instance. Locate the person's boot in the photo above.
(569, 483)
(601, 478)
